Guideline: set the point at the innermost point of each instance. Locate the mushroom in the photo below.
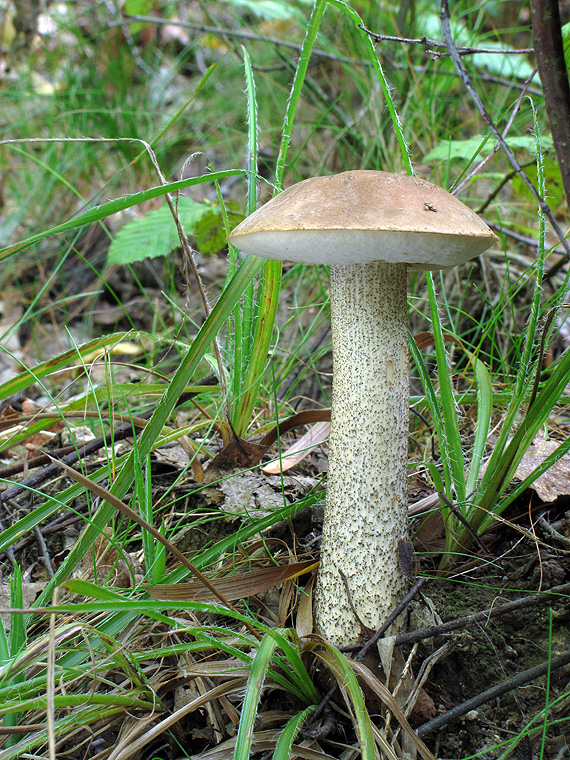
(370, 227)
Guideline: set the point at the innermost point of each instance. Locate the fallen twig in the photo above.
(520, 679)
(553, 533)
(453, 625)
(52, 470)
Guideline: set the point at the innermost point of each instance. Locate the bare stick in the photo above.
(549, 49)
(544, 597)
(461, 49)
(456, 58)
(520, 679)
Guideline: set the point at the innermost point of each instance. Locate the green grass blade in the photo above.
(244, 317)
(263, 318)
(165, 405)
(434, 407)
(62, 361)
(535, 417)
(449, 411)
(358, 22)
(524, 374)
(113, 207)
(487, 498)
(284, 744)
(268, 301)
(207, 557)
(298, 81)
(346, 678)
(304, 680)
(17, 642)
(143, 489)
(253, 691)
(483, 424)
(543, 467)
(17, 628)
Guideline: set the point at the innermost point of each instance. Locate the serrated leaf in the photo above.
(210, 232)
(466, 149)
(154, 234)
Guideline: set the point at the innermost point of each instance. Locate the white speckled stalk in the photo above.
(366, 502)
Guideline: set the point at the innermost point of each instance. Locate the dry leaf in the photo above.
(556, 481)
(237, 453)
(233, 587)
(300, 449)
(246, 492)
(304, 622)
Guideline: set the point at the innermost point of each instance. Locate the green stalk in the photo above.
(253, 691)
(371, 52)
(244, 315)
(269, 287)
(449, 411)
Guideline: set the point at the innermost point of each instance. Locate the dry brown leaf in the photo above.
(233, 587)
(556, 481)
(378, 687)
(237, 453)
(304, 622)
(318, 433)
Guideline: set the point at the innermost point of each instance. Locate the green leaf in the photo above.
(269, 10)
(209, 229)
(285, 742)
(154, 234)
(114, 207)
(480, 144)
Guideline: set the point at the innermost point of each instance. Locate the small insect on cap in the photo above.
(365, 216)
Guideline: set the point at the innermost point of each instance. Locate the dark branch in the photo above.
(520, 679)
(547, 36)
(456, 58)
(427, 43)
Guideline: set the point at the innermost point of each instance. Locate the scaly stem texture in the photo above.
(366, 503)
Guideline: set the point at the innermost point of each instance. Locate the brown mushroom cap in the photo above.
(365, 216)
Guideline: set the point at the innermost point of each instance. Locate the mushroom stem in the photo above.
(366, 501)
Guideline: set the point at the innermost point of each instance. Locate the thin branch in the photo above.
(520, 679)
(497, 147)
(427, 43)
(547, 528)
(549, 49)
(131, 18)
(456, 58)
(544, 597)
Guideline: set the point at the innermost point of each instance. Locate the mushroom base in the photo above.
(366, 501)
